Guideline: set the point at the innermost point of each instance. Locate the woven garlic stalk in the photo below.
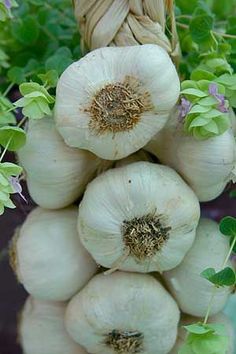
(126, 22)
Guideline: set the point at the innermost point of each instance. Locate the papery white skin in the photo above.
(150, 64)
(126, 302)
(220, 318)
(51, 262)
(42, 331)
(133, 191)
(192, 292)
(56, 174)
(233, 120)
(206, 165)
(140, 155)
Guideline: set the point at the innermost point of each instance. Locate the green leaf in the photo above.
(10, 169)
(34, 88)
(208, 273)
(50, 78)
(225, 277)
(200, 27)
(16, 75)
(208, 101)
(197, 108)
(12, 138)
(200, 74)
(26, 31)
(205, 339)
(194, 92)
(198, 328)
(228, 226)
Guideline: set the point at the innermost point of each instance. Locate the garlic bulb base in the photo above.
(118, 107)
(145, 236)
(125, 342)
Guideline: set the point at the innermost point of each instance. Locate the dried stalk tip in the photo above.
(118, 107)
(123, 342)
(145, 236)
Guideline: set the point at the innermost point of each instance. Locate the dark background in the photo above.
(12, 294)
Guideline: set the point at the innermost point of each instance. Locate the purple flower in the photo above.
(15, 183)
(8, 4)
(184, 108)
(213, 90)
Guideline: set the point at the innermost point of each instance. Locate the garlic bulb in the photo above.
(192, 292)
(113, 100)
(56, 173)
(42, 331)
(141, 217)
(50, 261)
(140, 155)
(123, 313)
(206, 165)
(220, 318)
(232, 117)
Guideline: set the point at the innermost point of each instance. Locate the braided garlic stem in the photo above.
(126, 22)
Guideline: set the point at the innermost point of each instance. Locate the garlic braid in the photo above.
(126, 22)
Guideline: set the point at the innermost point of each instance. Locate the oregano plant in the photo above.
(204, 337)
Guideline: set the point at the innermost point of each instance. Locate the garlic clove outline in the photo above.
(123, 312)
(140, 217)
(206, 165)
(191, 291)
(113, 100)
(56, 174)
(49, 259)
(41, 329)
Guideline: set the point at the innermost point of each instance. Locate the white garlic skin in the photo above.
(56, 174)
(206, 165)
(42, 330)
(126, 302)
(233, 120)
(51, 262)
(133, 191)
(191, 291)
(220, 318)
(81, 81)
(140, 155)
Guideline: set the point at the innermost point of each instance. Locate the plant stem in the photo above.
(230, 251)
(8, 89)
(210, 305)
(225, 35)
(8, 143)
(215, 286)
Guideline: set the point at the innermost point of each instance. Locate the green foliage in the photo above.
(228, 226)
(36, 100)
(207, 116)
(6, 117)
(38, 37)
(12, 138)
(201, 26)
(7, 172)
(225, 277)
(205, 338)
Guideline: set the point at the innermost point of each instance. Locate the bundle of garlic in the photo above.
(192, 292)
(48, 257)
(123, 313)
(125, 23)
(220, 318)
(56, 174)
(140, 217)
(206, 165)
(114, 100)
(42, 331)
